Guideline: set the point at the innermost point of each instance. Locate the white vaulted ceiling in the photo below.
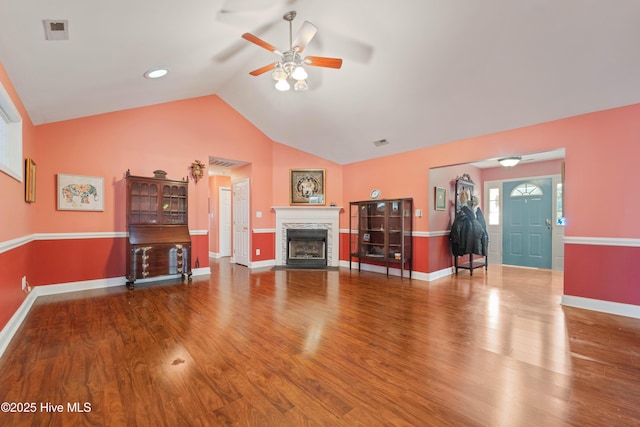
(416, 72)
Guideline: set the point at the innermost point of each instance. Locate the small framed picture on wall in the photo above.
(80, 193)
(307, 186)
(440, 198)
(30, 181)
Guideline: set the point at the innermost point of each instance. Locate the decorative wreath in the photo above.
(197, 170)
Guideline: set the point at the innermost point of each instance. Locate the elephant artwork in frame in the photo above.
(80, 193)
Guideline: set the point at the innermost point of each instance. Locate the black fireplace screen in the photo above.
(307, 247)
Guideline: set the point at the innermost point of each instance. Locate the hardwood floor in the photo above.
(318, 348)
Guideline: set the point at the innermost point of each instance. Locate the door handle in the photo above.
(548, 222)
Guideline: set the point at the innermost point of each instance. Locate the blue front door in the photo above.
(526, 233)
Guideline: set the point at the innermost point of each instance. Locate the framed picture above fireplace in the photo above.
(307, 186)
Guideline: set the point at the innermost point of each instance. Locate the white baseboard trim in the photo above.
(620, 309)
(16, 320)
(10, 329)
(441, 273)
(602, 241)
(262, 264)
(415, 275)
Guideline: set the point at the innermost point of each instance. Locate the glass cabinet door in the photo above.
(144, 203)
(372, 229)
(174, 204)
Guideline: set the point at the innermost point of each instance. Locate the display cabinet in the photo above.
(381, 233)
(157, 218)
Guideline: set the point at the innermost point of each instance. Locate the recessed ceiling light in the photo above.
(156, 73)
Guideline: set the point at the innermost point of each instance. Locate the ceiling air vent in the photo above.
(380, 142)
(56, 29)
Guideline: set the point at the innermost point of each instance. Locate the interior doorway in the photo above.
(222, 175)
(224, 226)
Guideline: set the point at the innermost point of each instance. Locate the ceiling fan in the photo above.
(290, 65)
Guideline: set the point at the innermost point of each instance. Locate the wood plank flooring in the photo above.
(323, 348)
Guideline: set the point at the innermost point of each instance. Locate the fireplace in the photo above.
(306, 247)
(308, 218)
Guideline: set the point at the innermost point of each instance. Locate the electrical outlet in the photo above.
(257, 251)
(24, 283)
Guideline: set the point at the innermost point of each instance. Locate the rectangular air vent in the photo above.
(380, 142)
(56, 29)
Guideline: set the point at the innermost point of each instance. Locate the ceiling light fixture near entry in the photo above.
(156, 73)
(508, 162)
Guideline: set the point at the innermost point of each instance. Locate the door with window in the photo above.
(527, 229)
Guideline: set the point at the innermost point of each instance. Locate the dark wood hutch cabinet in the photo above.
(159, 242)
(383, 233)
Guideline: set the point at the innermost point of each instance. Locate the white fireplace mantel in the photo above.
(325, 217)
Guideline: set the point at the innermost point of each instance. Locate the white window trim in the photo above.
(12, 146)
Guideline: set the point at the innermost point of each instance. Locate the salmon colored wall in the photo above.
(601, 150)
(87, 259)
(602, 272)
(266, 242)
(166, 136)
(286, 158)
(16, 218)
(523, 170)
(14, 264)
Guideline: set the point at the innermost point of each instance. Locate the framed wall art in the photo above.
(307, 186)
(30, 180)
(80, 193)
(440, 198)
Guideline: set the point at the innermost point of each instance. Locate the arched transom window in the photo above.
(526, 189)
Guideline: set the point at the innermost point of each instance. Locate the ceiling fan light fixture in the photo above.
(283, 85)
(509, 162)
(301, 85)
(279, 73)
(290, 64)
(299, 73)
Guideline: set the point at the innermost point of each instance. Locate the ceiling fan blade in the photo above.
(319, 61)
(263, 69)
(263, 44)
(304, 36)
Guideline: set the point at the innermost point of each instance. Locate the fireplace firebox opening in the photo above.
(307, 247)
